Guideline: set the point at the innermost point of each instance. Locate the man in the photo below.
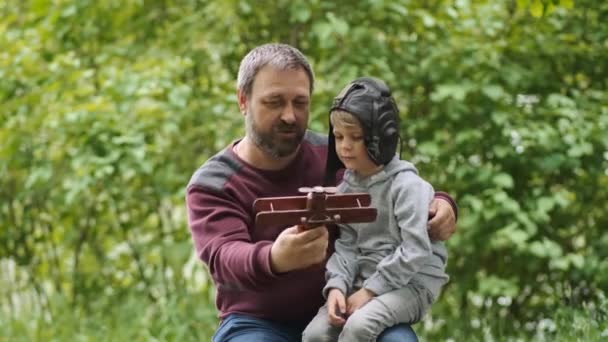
(269, 279)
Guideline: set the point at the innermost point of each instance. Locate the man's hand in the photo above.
(358, 299)
(336, 308)
(443, 220)
(296, 249)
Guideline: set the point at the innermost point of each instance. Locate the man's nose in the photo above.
(289, 114)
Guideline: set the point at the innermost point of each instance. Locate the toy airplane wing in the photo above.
(316, 208)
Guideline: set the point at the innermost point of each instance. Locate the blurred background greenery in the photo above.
(107, 107)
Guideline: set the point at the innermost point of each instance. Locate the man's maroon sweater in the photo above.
(220, 198)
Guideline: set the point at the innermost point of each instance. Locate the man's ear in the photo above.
(242, 98)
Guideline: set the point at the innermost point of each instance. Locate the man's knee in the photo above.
(242, 328)
(398, 333)
(364, 328)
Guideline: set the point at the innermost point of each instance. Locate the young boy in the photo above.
(386, 272)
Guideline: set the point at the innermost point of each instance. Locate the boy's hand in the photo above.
(358, 299)
(336, 308)
(443, 220)
(295, 248)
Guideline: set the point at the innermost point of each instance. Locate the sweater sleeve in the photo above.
(411, 197)
(342, 265)
(222, 241)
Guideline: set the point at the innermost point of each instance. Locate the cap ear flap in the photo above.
(389, 124)
(389, 130)
(388, 133)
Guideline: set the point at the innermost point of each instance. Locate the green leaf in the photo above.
(513, 234)
(546, 249)
(456, 91)
(536, 8)
(576, 260)
(503, 180)
(546, 204)
(522, 3)
(337, 24)
(567, 3)
(493, 91)
(300, 12)
(495, 286)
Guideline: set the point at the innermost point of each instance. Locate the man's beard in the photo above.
(270, 142)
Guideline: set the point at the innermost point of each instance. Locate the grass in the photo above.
(587, 322)
(184, 317)
(191, 317)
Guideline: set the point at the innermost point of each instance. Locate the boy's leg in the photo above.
(243, 328)
(406, 305)
(319, 329)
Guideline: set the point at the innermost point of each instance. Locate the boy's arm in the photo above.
(342, 265)
(411, 197)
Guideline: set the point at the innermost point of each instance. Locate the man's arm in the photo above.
(222, 241)
(443, 215)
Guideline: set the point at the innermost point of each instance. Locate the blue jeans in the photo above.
(242, 328)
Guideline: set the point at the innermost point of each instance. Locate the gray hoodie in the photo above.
(395, 249)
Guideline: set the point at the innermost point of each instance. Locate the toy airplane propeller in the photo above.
(320, 206)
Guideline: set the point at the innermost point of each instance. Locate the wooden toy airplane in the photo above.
(320, 206)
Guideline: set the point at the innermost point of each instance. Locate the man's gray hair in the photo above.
(281, 56)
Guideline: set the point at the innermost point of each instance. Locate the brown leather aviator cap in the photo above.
(370, 100)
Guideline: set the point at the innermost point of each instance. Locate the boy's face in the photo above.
(350, 148)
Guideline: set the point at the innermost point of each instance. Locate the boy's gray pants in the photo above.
(406, 305)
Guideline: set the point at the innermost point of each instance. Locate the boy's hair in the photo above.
(341, 117)
(281, 56)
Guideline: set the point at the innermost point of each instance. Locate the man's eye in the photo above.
(358, 138)
(301, 104)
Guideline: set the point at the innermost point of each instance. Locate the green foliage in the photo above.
(108, 107)
(133, 318)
